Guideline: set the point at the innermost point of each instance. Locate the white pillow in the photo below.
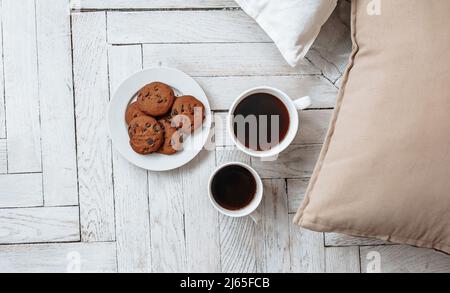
(292, 24)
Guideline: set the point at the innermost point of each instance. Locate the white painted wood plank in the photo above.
(237, 244)
(59, 258)
(307, 250)
(237, 235)
(273, 231)
(296, 189)
(335, 239)
(338, 82)
(297, 161)
(168, 242)
(56, 103)
(313, 126)
(94, 147)
(130, 182)
(332, 48)
(201, 219)
(222, 91)
(216, 26)
(21, 190)
(132, 217)
(44, 224)
(224, 59)
(21, 86)
(342, 259)
(184, 225)
(123, 61)
(231, 154)
(260, 242)
(3, 157)
(2, 85)
(2, 107)
(404, 259)
(150, 4)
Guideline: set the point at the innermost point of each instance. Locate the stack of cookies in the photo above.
(158, 121)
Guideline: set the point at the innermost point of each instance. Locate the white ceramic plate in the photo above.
(182, 84)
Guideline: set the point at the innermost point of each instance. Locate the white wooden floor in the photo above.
(69, 202)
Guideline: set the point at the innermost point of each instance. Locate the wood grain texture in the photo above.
(2, 110)
(32, 225)
(342, 259)
(59, 258)
(3, 157)
(216, 26)
(306, 250)
(296, 189)
(338, 82)
(313, 126)
(184, 225)
(331, 50)
(297, 161)
(231, 154)
(167, 221)
(201, 219)
(2, 84)
(237, 235)
(94, 147)
(130, 182)
(59, 163)
(405, 259)
(21, 86)
(224, 59)
(237, 244)
(335, 239)
(222, 91)
(273, 231)
(150, 4)
(21, 190)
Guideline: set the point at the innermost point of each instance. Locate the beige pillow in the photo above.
(384, 170)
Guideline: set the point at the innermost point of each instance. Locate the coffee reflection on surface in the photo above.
(233, 187)
(256, 119)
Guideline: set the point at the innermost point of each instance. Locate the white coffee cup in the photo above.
(248, 210)
(293, 106)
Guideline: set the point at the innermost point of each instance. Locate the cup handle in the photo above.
(255, 216)
(302, 103)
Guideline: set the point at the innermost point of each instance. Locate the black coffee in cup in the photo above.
(233, 187)
(261, 121)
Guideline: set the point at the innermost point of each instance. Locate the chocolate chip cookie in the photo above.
(132, 112)
(155, 99)
(188, 113)
(173, 138)
(146, 135)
